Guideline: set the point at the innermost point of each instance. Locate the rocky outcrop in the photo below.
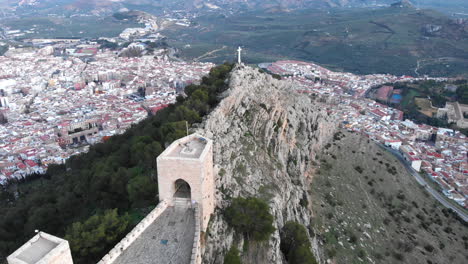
(265, 138)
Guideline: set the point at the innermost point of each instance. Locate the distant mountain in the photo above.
(113, 5)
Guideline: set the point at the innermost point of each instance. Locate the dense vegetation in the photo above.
(232, 257)
(250, 217)
(89, 239)
(295, 244)
(119, 174)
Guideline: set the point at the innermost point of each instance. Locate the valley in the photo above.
(364, 41)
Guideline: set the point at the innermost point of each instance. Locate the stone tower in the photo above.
(42, 249)
(185, 174)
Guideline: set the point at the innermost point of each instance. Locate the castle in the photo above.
(168, 234)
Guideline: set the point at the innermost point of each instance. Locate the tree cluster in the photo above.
(232, 256)
(105, 44)
(295, 244)
(132, 52)
(250, 217)
(119, 173)
(97, 234)
(3, 119)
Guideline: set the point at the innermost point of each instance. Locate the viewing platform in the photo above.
(191, 147)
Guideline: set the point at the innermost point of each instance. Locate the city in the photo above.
(443, 161)
(55, 106)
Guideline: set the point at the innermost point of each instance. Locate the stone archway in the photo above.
(182, 189)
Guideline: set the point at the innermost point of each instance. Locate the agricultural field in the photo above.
(386, 40)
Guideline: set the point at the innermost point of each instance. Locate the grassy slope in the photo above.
(344, 39)
(378, 214)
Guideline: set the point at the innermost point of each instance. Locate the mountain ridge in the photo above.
(113, 5)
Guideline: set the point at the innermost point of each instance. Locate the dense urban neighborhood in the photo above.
(56, 106)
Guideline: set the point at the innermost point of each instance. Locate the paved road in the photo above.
(437, 195)
(168, 240)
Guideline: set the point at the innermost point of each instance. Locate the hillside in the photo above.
(357, 202)
(264, 139)
(385, 40)
(368, 209)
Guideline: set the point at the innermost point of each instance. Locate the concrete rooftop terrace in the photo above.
(191, 148)
(168, 240)
(37, 248)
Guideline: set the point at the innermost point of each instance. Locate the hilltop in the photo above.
(356, 201)
(264, 139)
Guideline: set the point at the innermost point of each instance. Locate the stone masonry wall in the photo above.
(133, 235)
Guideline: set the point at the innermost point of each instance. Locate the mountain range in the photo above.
(113, 5)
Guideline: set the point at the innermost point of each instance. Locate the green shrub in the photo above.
(295, 244)
(359, 169)
(251, 217)
(232, 257)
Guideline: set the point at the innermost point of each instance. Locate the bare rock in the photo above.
(265, 139)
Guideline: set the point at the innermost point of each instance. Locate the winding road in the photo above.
(437, 195)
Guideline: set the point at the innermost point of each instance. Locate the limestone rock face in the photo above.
(265, 137)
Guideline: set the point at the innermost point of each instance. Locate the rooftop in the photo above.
(36, 249)
(189, 147)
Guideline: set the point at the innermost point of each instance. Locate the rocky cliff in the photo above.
(265, 139)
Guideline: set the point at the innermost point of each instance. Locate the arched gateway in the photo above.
(182, 190)
(185, 174)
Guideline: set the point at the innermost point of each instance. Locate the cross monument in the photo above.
(239, 50)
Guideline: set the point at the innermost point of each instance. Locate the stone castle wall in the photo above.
(196, 250)
(135, 233)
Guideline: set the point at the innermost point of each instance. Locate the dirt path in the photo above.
(210, 53)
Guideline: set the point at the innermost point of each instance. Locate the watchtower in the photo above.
(185, 174)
